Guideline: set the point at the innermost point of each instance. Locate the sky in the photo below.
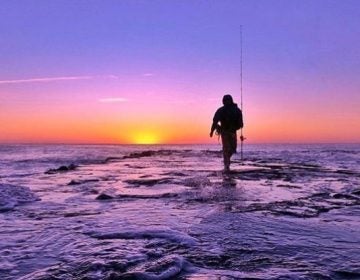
(137, 72)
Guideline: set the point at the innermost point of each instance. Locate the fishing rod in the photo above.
(242, 138)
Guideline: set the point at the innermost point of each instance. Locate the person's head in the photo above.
(227, 99)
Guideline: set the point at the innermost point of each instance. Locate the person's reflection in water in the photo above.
(231, 193)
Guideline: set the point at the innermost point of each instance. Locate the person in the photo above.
(227, 120)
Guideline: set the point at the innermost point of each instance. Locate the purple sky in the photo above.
(129, 61)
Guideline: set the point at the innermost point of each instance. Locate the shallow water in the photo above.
(168, 212)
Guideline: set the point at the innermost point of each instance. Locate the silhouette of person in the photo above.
(227, 120)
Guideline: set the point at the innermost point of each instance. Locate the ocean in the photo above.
(169, 212)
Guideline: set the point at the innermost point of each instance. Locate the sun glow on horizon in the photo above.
(146, 137)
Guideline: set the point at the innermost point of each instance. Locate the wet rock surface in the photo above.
(161, 213)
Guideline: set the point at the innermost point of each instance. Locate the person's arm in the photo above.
(215, 122)
(213, 127)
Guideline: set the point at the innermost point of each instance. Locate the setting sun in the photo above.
(146, 137)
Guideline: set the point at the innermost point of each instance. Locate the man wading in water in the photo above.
(230, 118)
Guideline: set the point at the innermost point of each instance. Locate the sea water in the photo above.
(169, 212)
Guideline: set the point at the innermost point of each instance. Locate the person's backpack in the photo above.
(232, 119)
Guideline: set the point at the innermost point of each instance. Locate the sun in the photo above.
(146, 137)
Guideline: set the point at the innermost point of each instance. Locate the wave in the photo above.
(12, 196)
(161, 269)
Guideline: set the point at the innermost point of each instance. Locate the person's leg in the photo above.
(232, 145)
(226, 162)
(229, 141)
(227, 150)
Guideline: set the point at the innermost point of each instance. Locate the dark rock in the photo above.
(113, 159)
(343, 196)
(356, 192)
(104, 196)
(141, 154)
(346, 172)
(288, 186)
(146, 182)
(62, 169)
(348, 274)
(73, 182)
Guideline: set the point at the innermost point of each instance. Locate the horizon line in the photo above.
(174, 144)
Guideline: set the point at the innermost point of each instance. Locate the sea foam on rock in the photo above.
(11, 196)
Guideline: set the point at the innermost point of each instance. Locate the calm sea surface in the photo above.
(168, 212)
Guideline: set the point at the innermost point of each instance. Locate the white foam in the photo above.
(166, 268)
(168, 234)
(11, 196)
(197, 181)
